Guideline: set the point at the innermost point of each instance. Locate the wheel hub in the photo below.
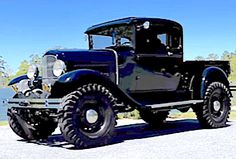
(91, 116)
(216, 105)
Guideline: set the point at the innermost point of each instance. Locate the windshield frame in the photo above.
(115, 37)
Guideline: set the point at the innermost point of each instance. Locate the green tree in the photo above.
(226, 55)
(232, 61)
(23, 68)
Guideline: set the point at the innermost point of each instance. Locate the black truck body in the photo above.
(132, 63)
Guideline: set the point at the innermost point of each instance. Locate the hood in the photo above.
(75, 59)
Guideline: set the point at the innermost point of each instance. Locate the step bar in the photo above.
(57, 104)
(174, 105)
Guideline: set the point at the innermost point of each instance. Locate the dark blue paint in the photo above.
(17, 79)
(131, 20)
(98, 60)
(127, 70)
(75, 75)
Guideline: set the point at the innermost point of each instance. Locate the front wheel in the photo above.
(216, 107)
(31, 126)
(88, 119)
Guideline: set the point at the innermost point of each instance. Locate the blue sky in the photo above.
(34, 26)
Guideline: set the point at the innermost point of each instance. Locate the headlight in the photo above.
(32, 71)
(58, 68)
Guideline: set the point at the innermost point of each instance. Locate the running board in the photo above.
(174, 105)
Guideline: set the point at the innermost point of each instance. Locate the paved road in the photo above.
(177, 139)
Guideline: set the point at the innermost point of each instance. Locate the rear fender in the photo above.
(213, 74)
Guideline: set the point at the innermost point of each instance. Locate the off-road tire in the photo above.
(207, 115)
(73, 123)
(42, 130)
(153, 117)
(14, 125)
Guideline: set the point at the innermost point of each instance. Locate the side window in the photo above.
(162, 37)
(174, 41)
(125, 42)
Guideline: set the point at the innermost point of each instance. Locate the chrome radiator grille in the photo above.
(47, 69)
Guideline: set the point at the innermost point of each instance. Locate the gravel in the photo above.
(176, 139)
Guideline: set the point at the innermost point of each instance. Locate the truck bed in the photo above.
(201, 65)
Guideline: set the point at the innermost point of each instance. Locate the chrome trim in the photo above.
(117, 68)
(48, 78)
(53, 103)
(92, 116)
(47, 65)
(216, 105)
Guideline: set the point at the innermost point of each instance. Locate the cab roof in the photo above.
(130, 21)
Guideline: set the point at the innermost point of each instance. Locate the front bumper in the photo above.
(55, 103)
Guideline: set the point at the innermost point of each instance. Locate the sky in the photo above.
(35, 26)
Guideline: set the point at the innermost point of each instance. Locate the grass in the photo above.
(3, 123)
(191, 115)
(129, 115)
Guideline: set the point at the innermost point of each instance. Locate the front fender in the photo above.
(70, 81)
(212, 74)
(17, 79)
(74, 76)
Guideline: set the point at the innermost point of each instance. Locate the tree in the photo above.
(35, 59)
(232, 61)
(199, 58)
(3, 72)
(2, 64)
(213, 57)
(23, 68)
(226, 55)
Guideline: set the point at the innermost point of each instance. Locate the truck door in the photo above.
(158, 60)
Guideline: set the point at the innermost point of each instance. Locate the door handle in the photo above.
(170, 53)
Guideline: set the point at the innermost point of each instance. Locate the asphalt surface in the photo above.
(176, 139)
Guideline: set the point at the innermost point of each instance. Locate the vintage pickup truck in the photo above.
(132, 63)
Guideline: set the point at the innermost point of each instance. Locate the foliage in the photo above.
(35, 59)
(199, 58)
(232, 76)
(191, 115)
(3, 123)
(213, 57)
(130, 115)
(23, 68)
(3, 72)
(2, 66)
(226, 55)
(6, 75)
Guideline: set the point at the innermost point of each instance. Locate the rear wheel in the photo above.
(154, 118)
(216, 108)
(88, 118)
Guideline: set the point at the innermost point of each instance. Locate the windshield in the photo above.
(117, 36)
